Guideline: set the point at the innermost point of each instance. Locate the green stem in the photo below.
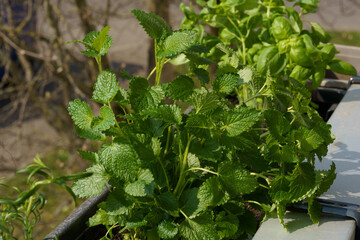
(166, 176)
(98, 61)
(256, 96)
(255, 202)
(261, 176)
(183, 161)
(202, 169)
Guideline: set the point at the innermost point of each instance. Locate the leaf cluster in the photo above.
(275, 63)
(193, 174)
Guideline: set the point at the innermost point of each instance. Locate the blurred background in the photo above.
(40, 74)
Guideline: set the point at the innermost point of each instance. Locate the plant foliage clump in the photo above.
(193, 175)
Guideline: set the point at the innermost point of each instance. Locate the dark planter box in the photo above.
(75, 227)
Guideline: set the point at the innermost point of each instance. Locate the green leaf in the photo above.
(204, 101)
(97, 43)
(277, 123)
(180, 88)
(201, 227)
(342, 67)
(225, 83)
(302, 181)
(122, 97)
(271, 59)
(190, 203)
(202, 75)
(168, 113)
(137, 220)
(80, 113)
(89, 133)
(144, 186)
(209, 150)
(167, 230)
(105, 121)
(155, 26)
(117, 203)
(236, 180)
(211, 193)
(238, 120)
(279, 189)
(143, 97)
(105, 87)
(226, 225)
(281, 28)
(169, 203)
(100, 39)
(91, 186)
(319, 32)
(119, 160)
(325, 179)
(294, 19)
(89, 156)
(102, 217)
(199, 124)
(308, 139)
(314, 210)
(176, 43)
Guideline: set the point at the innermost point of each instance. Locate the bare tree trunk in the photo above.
(161, 8)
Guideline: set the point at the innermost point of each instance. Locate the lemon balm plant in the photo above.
(196, 175)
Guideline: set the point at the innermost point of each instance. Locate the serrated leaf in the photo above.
(209, 150)
(101, 217)
(308, 139)
(199, 124)
(89, 133)
(105, 87)
(119, 160)
(143, 97)
(204, 101)
(105, 121)
(201, 227)
(190, 203)
(154, 25)
(325, 179)
(122, 97)
(144, 186)
(278, 125)
(226, 225)
(196, 59)
(238, 120)
(180, 88)
(101, 46)
(225, 83)
(314, 210)
(246, 74)
(167, 230)
(236, 180)
(100, 39)
(89, 156)
(279, 189)
(281, 209)
(168, 202)
(302, 180)
(93, 185)
(137, 220)
(80, 113)
(117, 203)
(202, 75)
(176, 43)
(211, 193)
(168, 113)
